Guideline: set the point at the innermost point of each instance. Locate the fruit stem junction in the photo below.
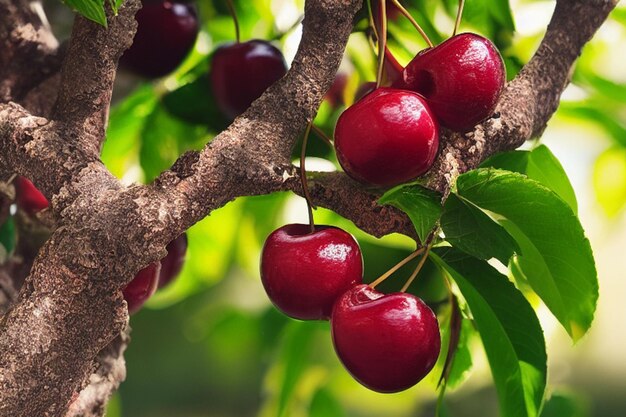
(399, 265)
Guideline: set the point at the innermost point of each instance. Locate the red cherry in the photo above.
(387, 342)
(173, 262)
(303, 273)
(166, 32)
(28, 197)
(461, 79)
(142, 287)
(387, 138)
(241, 72)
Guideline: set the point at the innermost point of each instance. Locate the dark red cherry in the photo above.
(461, 79)
(334, 96)
(303, 273)
(173, 262)
(387, 342)
(28, 197)
(241, 72)
(166, 32)
(142, 287)
(364, 89)
(388, 138)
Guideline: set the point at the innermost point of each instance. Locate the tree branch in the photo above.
(88, 74)
(530, 100)
(28, 49)
(71, 303)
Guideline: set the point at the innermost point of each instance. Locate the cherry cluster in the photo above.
(240, 71)
(391, 135)
(156, 275)
(387, 342)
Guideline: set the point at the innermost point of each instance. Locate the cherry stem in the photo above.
(417, 270)
(459, 13)
(399, 265)
(319, 132)
(233, 13)
(417, 26)
(371, 18)
(305, 186)
(382, 42)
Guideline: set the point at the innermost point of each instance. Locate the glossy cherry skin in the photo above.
(387, 138)
(461, 79)
(166, 32)
(241, 72)
(142, 287)
(387, 342)
(304, 273)
(28, 197)
(173, 262)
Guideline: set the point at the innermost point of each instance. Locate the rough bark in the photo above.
(62, 332)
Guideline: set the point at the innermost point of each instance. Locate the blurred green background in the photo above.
(211, 345)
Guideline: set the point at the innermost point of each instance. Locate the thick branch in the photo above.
(110, 372)
(253, 155)
(71, 303)
(28, 49)
(88, 73)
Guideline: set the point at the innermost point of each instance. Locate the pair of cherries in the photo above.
(391, 135)
(240, 72)
(387, 342)
(147, 281)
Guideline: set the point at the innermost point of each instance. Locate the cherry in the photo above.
(241, 72)
(166, 32)
(364, 89)
(387, 138)
(142, 287)
(172, 263)
(304, 272)
(387, 342)
(28, 197)
(462, 79)
(334, 96)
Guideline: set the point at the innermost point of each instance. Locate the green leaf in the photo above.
(509, 329)
(471, 230)
(195, 103)
(609, 180)
(294, 356)
(540, 165)
(8, 236)
(91, 9)
(324, 404)
(501, 11)
(423, 206)
(606, 119)
(563, 404)
(121, 149)
(164, 139)
(556, 256)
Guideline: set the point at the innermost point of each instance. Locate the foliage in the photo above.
(518, 212)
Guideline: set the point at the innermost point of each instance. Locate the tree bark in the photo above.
(61, 335)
